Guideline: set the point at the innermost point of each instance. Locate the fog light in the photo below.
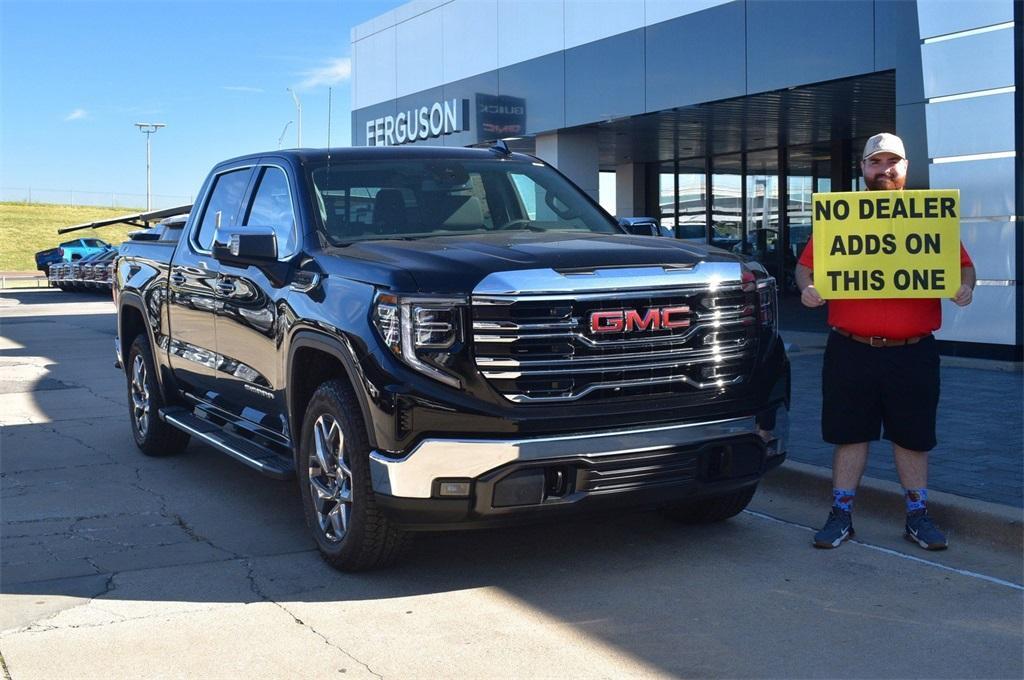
(454, 489)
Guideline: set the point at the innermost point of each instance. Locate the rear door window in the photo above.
(223, 206)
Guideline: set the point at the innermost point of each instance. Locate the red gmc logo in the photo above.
(629, 320)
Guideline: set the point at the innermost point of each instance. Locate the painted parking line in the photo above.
(896, 553)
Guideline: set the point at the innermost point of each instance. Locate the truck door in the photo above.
(249, 328)
(192, 289)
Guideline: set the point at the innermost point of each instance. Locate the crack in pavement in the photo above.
(255, 587)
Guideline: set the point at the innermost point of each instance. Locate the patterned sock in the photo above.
(917, 499)
(843, 499)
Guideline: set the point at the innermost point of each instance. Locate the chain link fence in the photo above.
(101, 199)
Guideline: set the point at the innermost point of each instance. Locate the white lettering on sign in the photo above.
(425, 122)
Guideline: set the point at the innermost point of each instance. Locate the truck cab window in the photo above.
(223, 206)
(272, 207)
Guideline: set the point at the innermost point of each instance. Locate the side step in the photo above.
(242, 450)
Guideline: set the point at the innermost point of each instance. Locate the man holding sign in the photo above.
(884, 260)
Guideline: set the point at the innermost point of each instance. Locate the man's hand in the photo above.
(811, 298)
(963, 296)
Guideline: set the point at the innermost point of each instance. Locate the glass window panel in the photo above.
(667, 197)
(693, 198)
(272, 207)
(726, 201)
(224, 205)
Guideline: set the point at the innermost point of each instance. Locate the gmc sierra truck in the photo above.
(434, 338)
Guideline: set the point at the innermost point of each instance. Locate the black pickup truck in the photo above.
(435, 338)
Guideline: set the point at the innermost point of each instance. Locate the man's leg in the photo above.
(912, 467)
(848, 463)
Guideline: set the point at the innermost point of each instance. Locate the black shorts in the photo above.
(864, 388)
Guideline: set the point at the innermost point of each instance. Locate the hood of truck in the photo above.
(456, 264)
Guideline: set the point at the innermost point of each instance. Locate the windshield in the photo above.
(418, 198)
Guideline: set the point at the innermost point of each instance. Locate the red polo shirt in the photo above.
(893, 318)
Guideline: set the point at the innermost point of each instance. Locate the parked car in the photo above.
(486, 345)
(69, 251)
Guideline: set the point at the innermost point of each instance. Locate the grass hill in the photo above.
(28, 228)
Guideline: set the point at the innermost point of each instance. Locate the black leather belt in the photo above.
(879, 341)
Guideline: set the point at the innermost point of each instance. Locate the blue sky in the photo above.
(76, 75)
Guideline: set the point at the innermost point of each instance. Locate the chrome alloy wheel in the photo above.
(330, 479)
(140, 396)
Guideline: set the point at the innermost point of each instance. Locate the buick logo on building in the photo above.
(634, 321)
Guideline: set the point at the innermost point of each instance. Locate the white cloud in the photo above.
(334, 72)
(241, 88)
(77, 114)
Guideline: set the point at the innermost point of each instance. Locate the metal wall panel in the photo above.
(605, 79)
(991, 246)
(375, 25)
(471, 38)
(656, 11)
(898, 47)
(541, 82)
(986, 186)
(469, 88)
(542, 18)
(910, 125)
(969, 126)
(940, 17)
(420, 50)
(590, 20)
(677, 49)
(795, 42)
(377, 80)
(976, 62)
(414, 8)
(989, 317)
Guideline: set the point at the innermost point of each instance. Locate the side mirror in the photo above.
(245, 246)
(639, 226)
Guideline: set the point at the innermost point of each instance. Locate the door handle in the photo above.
(177, 278)
(225, 288)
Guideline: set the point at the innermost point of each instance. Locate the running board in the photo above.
(255, 456)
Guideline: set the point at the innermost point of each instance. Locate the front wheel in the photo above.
(715, 509)
(334, 479)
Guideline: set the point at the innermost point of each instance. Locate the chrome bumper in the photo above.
(413, 475)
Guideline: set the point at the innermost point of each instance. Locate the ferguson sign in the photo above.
(426, 122)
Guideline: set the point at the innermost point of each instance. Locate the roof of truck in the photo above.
(360, 153)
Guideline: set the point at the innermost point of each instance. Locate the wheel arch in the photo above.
(314, 358)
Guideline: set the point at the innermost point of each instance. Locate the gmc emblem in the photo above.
(629, 320)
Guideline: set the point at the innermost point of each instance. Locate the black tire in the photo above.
(715, 509)
(366, 539)
(153, 436)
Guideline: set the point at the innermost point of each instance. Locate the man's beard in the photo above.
(884, 183)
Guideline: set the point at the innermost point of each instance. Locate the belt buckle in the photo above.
(881, 342)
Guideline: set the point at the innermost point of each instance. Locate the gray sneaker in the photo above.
(922, 531)
(838, 528)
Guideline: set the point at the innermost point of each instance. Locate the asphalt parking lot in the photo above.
(117, 565)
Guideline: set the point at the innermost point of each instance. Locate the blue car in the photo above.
(70, 251)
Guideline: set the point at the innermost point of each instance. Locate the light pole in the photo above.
(148, 129)
(282, 134)
(298, 108)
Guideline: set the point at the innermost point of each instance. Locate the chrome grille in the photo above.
(541, 348)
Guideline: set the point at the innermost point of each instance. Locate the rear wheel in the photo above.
(153, 436)
(715, 509)
(334, 478)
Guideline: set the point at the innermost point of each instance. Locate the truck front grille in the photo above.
(549, 348)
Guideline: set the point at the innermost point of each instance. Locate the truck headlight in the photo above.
(425, 332)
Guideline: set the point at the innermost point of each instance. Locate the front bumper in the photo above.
(477, 481)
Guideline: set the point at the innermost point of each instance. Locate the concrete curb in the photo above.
(993, 524)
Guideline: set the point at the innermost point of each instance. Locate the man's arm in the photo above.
(805, 282)
(968, 279)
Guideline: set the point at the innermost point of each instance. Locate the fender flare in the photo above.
(340, 349)
(134, 300)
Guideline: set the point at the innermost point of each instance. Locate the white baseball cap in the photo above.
(884, 142)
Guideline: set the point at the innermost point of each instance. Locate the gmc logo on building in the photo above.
(630, 320)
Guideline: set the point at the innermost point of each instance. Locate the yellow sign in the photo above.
(887, 244)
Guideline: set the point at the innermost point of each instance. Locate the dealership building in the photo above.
(722, 118)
